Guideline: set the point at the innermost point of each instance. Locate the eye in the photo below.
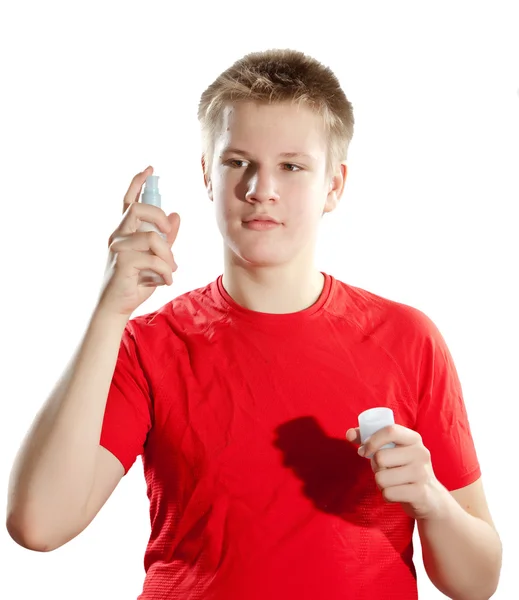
(232, 164)
(291, 165)
(236, 160)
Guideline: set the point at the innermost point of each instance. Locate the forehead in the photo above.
(281, 127)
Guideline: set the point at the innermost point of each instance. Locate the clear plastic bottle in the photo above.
(151, 195)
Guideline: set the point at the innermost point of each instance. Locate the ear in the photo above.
(336, 188)
(207, 181)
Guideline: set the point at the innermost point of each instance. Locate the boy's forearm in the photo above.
(54, 468)
(461, 553)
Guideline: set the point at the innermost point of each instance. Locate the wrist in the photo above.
(443, 506)
(106, 319)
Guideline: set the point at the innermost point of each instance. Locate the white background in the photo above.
(94, 92)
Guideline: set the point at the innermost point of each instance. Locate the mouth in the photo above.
(265, 218)
(260, 224)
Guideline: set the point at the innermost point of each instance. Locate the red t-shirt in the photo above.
(240, 418)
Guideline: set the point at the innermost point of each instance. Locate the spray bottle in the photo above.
(151, 195)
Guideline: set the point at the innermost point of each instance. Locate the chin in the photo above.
(258, 256)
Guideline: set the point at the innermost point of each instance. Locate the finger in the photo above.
(134, 191)
(401, 493)
(394, 477)
(132, 262)
(137, 213)
(398, 434)
(174, 222)
(353, 435)
(388, 458)
(145, 242)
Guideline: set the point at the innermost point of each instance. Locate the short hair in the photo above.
(277, 76)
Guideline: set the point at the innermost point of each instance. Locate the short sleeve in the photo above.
(442, 418)
(127, 417)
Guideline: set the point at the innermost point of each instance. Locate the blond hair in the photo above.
(276, 76)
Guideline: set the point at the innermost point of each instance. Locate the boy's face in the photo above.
(255, 178)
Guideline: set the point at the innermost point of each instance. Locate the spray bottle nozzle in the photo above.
(151, 194)
(152, 182)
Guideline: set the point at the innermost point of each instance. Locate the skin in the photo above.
(272, 271)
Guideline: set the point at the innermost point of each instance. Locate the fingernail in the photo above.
(361, 450)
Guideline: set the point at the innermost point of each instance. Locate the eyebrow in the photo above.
(282, 154)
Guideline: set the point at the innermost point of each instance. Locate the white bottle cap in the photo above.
(373, 419)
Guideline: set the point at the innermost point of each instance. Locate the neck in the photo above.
(279, 289)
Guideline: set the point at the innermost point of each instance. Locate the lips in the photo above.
(261, 225)
(261, 218)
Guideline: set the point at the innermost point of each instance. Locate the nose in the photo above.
(261, 188)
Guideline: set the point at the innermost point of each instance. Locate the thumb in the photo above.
(353, 435)
(174, 221)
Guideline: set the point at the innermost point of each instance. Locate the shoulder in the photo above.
(187, 312)
(381, 316)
